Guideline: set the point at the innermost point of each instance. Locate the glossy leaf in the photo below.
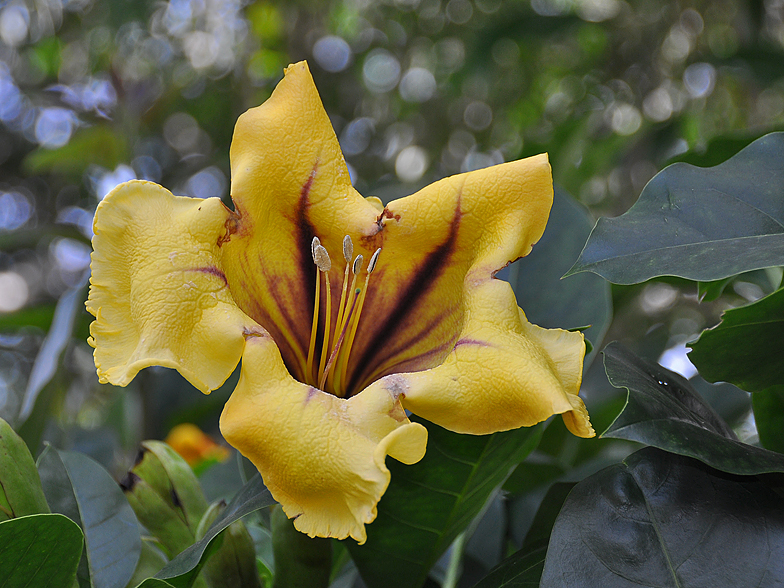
(82, 490)
(769, 417)
(39, 550)
(524, 568)
(550, 301)
(20, 486)
(665, 520)
(428, 504)
(745, 348)
(155, 583)
(183, 569)
(521, 570)
(663, 410)
(702, 224)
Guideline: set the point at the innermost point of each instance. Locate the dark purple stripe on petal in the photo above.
(422, 280)
(212, 270)
(472, 342)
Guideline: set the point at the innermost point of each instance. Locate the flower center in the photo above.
(329, 372)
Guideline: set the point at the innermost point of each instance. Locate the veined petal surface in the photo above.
(434, 244)
(322, 457)
(503, 373)
(158, 291)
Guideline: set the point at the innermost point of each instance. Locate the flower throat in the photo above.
(329, 373)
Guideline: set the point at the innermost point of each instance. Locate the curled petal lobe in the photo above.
(158, 291)
(321, 457)
(503, 373)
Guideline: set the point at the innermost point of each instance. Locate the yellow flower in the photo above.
(345, 313)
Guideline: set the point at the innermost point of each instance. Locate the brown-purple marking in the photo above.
(472, 342)
(213, 271)
(422, 280)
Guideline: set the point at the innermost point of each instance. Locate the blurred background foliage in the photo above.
(95, 93)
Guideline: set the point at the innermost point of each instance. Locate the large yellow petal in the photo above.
(321, 457)
(503, 373)
(158, 291)
(437, 245)
(289, 184)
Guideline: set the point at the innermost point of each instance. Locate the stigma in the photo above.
(327, 366)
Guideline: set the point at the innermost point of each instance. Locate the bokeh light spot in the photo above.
(54, 126)
(207, 183)
(381, 71)
(15, 210)
(411, 163)
(699, 79)
(332, 53)
(417, 85)
(13, 291)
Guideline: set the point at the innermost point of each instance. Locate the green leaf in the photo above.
(183, 569)
(550, 301)
(428, 504)
(702, 224)
(710, 291)
(745, 348)
(524, 568)
(20, 486)
(663, 410)
(39, 550)
(82, 490)
(660, 519)
(155, 583)
(769, 417)
(521, 570)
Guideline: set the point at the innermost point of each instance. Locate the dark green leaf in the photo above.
(521, 570)
(428, 504)
(665, 520)
(702, 224)
(182, 570)
(82, 490)
(155, 583)
(39, 550)
(549, 301)
(746, 347)
(710, 291)
(542, 525)
(664, 410)
(20, 486)
(769, 416)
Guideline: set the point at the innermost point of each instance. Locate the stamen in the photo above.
(343, 316)
(343, 365)
(314, 245)
(348, 249)
(321, 258)
(326, 264)
(373, 261)
(358, 264)
(348, 252)
(334, 353)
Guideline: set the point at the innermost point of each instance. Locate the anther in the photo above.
(313, 244)
(373, 261)
(357, 267)
(348, 249)
(321, 258)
